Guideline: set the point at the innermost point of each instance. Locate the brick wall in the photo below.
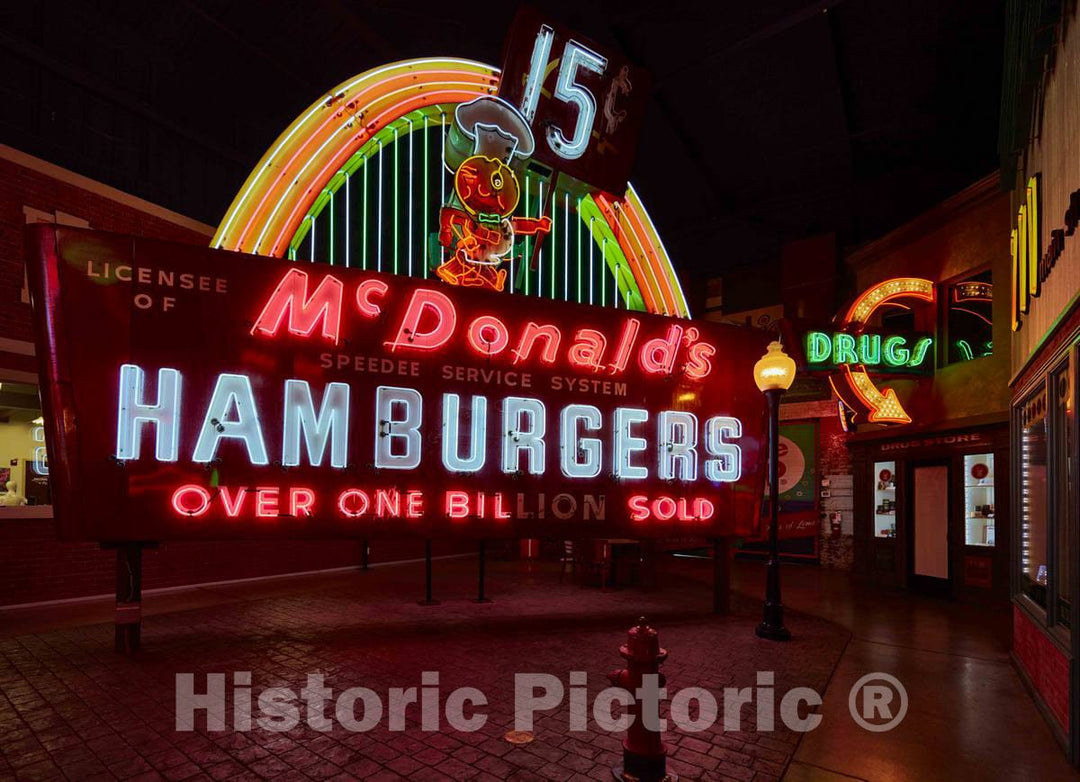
(36, 566)
(1045, 665)
(23, 187)
(837, 551)
(834, 459)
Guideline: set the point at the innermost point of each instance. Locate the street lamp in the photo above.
(773, 374)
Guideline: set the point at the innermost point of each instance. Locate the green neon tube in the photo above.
(427, 176)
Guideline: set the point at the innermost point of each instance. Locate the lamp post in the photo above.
(774, 373)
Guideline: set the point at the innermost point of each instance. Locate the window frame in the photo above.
(1039, 613)
(945, 300)
(1057, 512)
(21, 512)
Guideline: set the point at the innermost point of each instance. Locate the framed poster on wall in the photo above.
(798, 477)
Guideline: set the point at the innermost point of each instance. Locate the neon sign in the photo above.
(892, 351)
(318, 401)
(852, 349)
(431, 322)
(1024, 246)
(1032, 262)
(585, 101)
(480, 234)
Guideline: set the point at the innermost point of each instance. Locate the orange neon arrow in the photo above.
(883, 404)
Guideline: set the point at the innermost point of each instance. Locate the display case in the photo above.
(885, 500)
(979, 529)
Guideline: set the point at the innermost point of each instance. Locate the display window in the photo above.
(24, 462)
(979, 528)
(1062, 441)
(1034, 515)
(885, 500)
(1045, 433)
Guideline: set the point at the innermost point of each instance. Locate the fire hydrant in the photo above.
(644, 752)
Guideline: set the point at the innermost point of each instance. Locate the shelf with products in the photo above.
(885, 500)
(979, 513)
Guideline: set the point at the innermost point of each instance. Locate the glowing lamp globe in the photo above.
(774, 371)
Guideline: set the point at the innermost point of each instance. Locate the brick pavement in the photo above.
(71, 707)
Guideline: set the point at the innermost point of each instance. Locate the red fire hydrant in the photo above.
(644, 752)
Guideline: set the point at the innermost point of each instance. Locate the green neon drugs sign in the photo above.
(892, 352)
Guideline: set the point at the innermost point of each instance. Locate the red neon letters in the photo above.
(665, 508)
(364, 291)
(488, 335)
(436, 305)
(304, 313)
(430, 321)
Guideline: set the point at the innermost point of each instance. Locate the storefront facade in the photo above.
(1045, 321)
(931, 510)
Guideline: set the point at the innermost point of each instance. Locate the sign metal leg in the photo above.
(721, 576)
(428, 600)
(128, 616)
(480, 596)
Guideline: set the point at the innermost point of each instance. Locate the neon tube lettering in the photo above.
(919, 353)
(488, 335)
(331, 424)
(818, 347)
(451, 456)
(587, 352)
(531, 333)
(575, 56)
(626, 345)
(133, 412)
(305, 313)
(301, 501)
(626, 444)
(697, 360)
(870, 349)
(658, 355)
(517, 438)
(541, 53)
(895, 352)
(403, 429)
(435, 304)
(182, 500)
(844, 349)
(579, 457)
(231, 390)
(726, 467)
(364, 293)
(678, 433)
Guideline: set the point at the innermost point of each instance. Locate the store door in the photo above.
(928, 541)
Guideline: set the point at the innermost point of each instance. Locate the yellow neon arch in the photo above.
(272, 203)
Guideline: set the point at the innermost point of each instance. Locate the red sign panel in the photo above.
(196, 393)
(584, 103)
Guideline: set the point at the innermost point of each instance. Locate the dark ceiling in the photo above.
(769, 121)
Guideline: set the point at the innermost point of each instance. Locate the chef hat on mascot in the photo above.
(491, 127)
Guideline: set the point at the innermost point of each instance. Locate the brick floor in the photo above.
(70, 707)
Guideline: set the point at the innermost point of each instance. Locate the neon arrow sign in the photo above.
(851, 381)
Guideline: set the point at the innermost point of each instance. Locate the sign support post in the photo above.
(480, 596)
(364, 553)
(428, 600)
(128, 613)
(721, 576)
